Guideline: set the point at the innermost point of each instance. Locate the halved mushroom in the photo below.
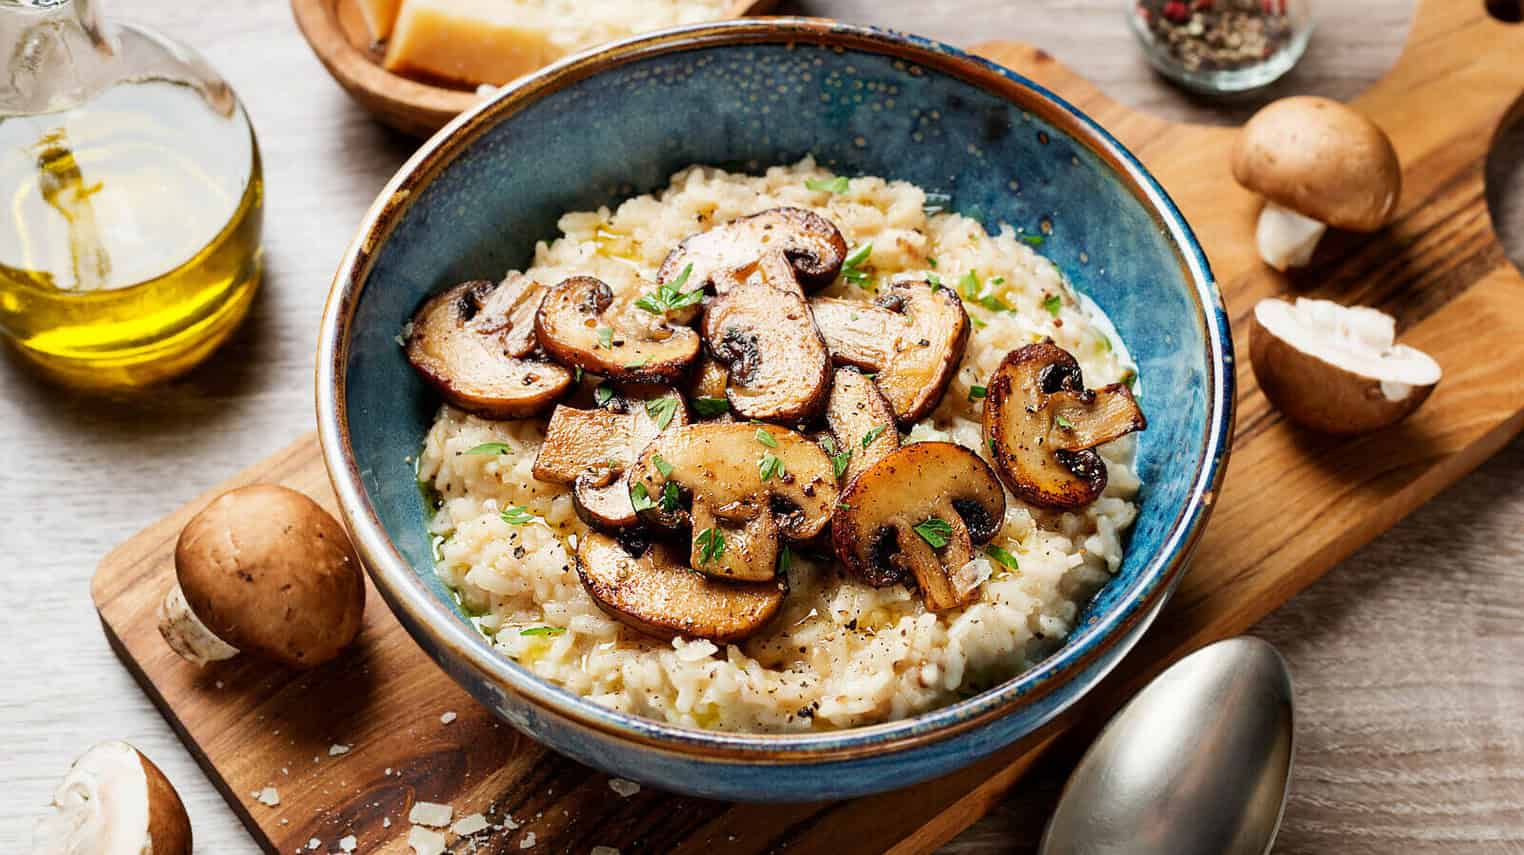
(920, 511)
(593, 449)
(912, 336)
(1318, 163)
(1043, 425)
(263, 570)
(1337, 369)
(746, 486)
(475, 343)
(655, 593)
(861, 423)
(580, 323)
(783, 244)
(113, 801)
(778, 366)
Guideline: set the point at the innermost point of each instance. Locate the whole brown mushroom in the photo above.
(1318, 163)
(263, 570)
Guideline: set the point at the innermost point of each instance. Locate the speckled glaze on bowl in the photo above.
(596, 128)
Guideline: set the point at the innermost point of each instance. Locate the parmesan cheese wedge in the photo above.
(379, 16)
(470, 41)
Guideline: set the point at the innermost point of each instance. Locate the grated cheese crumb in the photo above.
(528, 841)
(604, 850)
(268, 796)
(425, 842)
(314, 843)
(470, 824)
(430, 814)
(624, 788)
(386, 822)
(336, 750)
(348, 843)
(447, 717)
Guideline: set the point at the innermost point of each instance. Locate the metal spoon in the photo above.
(1197, 764)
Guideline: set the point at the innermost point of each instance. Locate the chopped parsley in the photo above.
(517, 515)
(935, 531)
(978, 324)
(661, 465)
(838, 458)
(578, 375)
(1034, 240)
(606, 338)
(935, 280)
(711, 544)
(972, 290)
(669, 497)
(931, 261)
(827, 185)
(785, 558)
(852, 269)
(1130, 378)
(766, 438)
(543, 630)
(603, 394)
(710, 407)
(639, 363)
(491, 448)
(976, 393)
(872, 435)
(1063, 422)
(661, 410)
(991, 442)
(1001, 556)
(640, 498)
(770, 466)
(670, 296)
(1053, 303)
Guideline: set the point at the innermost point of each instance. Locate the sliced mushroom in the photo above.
(475, 343)
(777, 364)
(920, 511)
(1042, 426)
(1318, 163)
(783, 244)
(912, 336)
(708, 383)
(1337, 369)
(582, 324)
(861, 423)
(745, 487)
(263, 570)
(593, 449)
(114, 801)
(655, 593)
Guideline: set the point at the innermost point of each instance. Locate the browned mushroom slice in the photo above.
(1042, 426)
(581, 324)
(655, 593)
(912, 336)
(786, 244)
(862, 425)
(475, 344)
(920, 511)
(593, 449)
(721, 480)
(778, 366)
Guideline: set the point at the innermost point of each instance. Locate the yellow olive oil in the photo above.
(129, 231)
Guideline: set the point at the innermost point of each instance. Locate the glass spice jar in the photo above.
(1222, 46)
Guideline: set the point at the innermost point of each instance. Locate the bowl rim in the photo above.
(438, 629)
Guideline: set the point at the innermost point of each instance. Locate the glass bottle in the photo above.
(132, 198)
(1222, 46)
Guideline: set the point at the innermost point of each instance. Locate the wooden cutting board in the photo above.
(1293, 505)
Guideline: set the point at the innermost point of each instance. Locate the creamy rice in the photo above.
(841, 653)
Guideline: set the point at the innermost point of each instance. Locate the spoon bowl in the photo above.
(1199, 763)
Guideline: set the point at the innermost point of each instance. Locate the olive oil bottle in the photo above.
(131, 189)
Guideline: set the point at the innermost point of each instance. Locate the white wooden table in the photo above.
(1409, 659)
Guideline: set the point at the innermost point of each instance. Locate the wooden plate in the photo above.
(336, 31)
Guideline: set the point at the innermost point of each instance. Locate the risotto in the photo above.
(840, 653)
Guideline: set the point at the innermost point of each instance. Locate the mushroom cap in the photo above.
(655, 593)
(1337, 369)
(875, 527)
(578, 311)
(1321, 159)
(474, 343)
(114, 801)
(913, 336)
(1042, 425)
(273, 574)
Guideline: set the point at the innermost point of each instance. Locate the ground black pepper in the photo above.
(1217, 35)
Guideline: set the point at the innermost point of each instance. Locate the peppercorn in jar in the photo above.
(1219, 46)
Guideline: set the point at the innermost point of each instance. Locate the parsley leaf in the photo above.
(829, 444)
(872, 435)
(1063, 422)
(991, 442)
(1034, 240)
(491, 448)
(770, 466)
(543, 630)
(972, 290)
(839, 463)
(661, 465)
(669, 497)
(977, 392)
(669, 296)
(785, 558)
(603, 394)
(935, 531)
(661, 410)
(711, 544)
(1002, 556)
(517, 515)
(766, 438)
(640, 498)
(606, 338)
(931, 261)
(935, 280)
(1053, 303)
(828, 185)
(709, 407)
(978, 324)
(852, 269)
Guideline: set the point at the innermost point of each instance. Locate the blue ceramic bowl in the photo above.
(599, 127)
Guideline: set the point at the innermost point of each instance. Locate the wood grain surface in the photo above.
(1406, 656)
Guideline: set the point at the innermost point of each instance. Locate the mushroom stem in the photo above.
(187, 635)
(1286, 238)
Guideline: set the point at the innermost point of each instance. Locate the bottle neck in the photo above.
(58, 54)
